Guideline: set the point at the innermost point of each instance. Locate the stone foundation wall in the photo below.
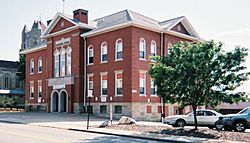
(31, 107)
(78, 107)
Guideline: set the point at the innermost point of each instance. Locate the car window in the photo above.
(209, 113)
(200, 113)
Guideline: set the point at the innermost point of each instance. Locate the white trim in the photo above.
(40, 59)
(182, 35)
(106, 50)
(145, 83)
(35, 49)
(32, 82)
(60, 32)
(39, 81)
(116, 50)
(89, 54)
(32, 66)
(144, 49)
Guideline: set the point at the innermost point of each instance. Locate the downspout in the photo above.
(85, 73)
(162, 98)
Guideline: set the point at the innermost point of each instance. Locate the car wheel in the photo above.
(180, 123)
(218, 126)
(239, 127)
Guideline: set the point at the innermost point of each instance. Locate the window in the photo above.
(6, 82)
(153, 50)
(118, 49)
(149, 109)
(104, 55)
(142, 83)
(90, 55)
(169, 46)
(39, 89)
(31, 66)
(153, 88)
(103, 109)
(56, 63)
(118, 83)
(208, 113)
(62, 62)
(40, 65)
(68, 53)
(90, 85)
(142, 49)
(31, 89)
(118, 109)
(104, 84)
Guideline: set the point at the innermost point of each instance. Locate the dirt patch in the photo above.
(201, 132)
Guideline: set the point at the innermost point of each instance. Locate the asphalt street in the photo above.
(20, 133)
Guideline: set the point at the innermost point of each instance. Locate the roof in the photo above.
(132, 17)
(8, 64)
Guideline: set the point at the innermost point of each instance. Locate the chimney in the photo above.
(81, 15)
(48, 22)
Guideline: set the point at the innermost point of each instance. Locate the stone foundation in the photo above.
(36, 107)
(78, 107)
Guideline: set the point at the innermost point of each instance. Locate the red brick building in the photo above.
(106, 59)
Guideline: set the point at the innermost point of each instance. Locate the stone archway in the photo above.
(63, 101)
(54, 101)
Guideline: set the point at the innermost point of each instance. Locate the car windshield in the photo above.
(188, 112)
(245, 111)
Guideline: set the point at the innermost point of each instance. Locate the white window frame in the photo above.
(68, 61)
(31, 89)
(144, 84)
(102, 49)
(116, 82)
(152, 84)
(32, 66)
(39, 88)
(103, 74)
(153, 48)
(56, 63)
(40, 64)
(142, 48)
(120, 50)
(90, 48)
(88, 82)
(62, 62)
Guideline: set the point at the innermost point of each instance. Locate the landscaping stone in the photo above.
(126, 121)
(104, 124)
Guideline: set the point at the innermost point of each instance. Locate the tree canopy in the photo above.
(200, 74)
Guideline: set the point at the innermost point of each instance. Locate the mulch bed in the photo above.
(201, 132)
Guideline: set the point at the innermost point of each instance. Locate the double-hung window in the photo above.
(118, 83)
(31, 89)
(142, 83)
(40, 65)
(153, 88)
(118, 49)
(62, 62)
(31, 66)
(90, 85)
(153, 50)
(68, 53)
(56, 63)
(104, 52)
(142, 46)
(104, 84)
(39, 92)
(90, 55)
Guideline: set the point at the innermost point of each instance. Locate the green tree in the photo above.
(200, 74)
(21, 68)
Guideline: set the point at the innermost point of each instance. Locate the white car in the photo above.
(207, 118)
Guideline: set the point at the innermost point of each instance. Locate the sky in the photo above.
(227, 21)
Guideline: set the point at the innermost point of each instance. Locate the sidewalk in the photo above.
(77, 122)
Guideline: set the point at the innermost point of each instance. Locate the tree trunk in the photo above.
(195, 117)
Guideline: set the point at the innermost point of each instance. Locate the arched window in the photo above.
(153, 50)
(31, 66)
(90, 55)
(56, 63)
(68, 55)
(118, 49)
(142, 46)
(7, 81)
(40, 64)
(62, 62)
(104, 52)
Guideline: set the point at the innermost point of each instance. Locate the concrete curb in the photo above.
(133, 136)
